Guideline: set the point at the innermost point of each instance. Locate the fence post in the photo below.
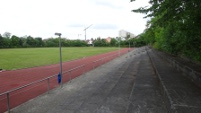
(48, 85)
(70, 75)
(93, 64)
(83, 69)
(8, 102)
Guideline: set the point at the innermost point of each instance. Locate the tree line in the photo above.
(174, 26)
(12, 41)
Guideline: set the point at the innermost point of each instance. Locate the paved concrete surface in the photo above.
(138, 82)
(181, 95)
(86, 93)
(188, 68)
(145, 96)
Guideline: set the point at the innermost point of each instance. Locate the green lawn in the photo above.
(11, 59)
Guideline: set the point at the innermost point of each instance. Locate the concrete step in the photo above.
(118, 98)
(187, 68)
(179, 93)
(100, 96)
(90, 98)
(125, 85)
(145, 96)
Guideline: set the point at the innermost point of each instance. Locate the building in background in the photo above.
(108, 39)
(124, 34)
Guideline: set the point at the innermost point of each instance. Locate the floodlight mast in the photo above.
(59, 34)
(86, 29)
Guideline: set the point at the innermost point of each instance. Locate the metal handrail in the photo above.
(74, 68)
(27, 85)
(7, 93)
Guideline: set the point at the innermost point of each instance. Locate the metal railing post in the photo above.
(70, 75)
(48, 85)
(83, 69)
(8, 102)
(93, 64)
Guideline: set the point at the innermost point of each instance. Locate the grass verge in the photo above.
(11, 59)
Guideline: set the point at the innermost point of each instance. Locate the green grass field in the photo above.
(11, 59)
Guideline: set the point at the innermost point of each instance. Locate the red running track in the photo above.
(13, 79)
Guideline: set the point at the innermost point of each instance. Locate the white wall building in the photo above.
(124, 33)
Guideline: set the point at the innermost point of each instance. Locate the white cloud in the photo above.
(45, 17)
(105, 26)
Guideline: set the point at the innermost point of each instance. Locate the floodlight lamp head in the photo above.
(58, 34)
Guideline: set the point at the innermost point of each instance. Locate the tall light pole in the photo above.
(85, 31)
(119, 45)
(60, 74)
(133, 44)
(128, 38)
(118, 39)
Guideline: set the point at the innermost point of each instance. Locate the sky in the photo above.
(42, 18)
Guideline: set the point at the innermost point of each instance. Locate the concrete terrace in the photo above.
(142, 81)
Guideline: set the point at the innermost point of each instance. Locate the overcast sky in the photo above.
(42, 18)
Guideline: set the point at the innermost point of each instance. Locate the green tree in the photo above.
(1, 41)
(38, 42)
(113, 42)
(66, 43)
(51, 42)
(7, 35)
(23, 41)
(15, 41)
(30, 41)
(174, 27)
(6, 42)
(100, 42)
(127, 36)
